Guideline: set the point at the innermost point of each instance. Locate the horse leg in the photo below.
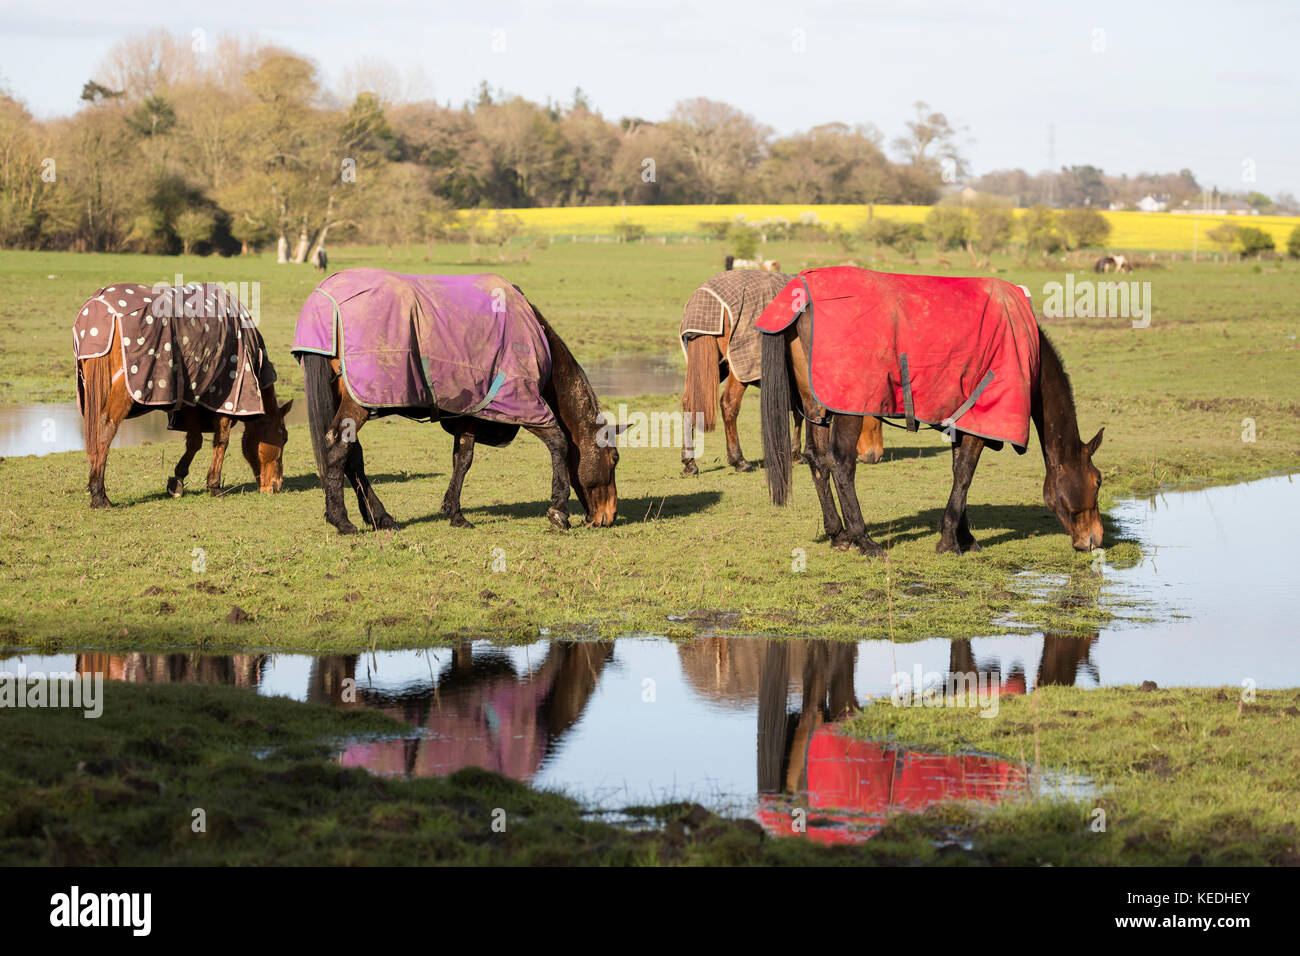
(193, 442)
(462, 456)
(108, 417)
(554, 440)
(796, 453)
(732, 394)
(817, 454)
(954, 533)
(220, 439)
(342, 434)
(845, 431)
(372, 509)
(689, 465)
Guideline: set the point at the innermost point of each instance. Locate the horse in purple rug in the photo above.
(469, 352)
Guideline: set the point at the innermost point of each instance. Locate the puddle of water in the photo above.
(44, 428)
(636, 374)
(741, 725)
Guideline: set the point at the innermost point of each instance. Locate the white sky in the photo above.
(1195, 84)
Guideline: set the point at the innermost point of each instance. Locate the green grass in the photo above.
(711, 549)
(1183, 776)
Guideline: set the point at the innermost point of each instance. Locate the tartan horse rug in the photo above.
(467, 345)
(937, 350)
(191, 345)
(740, 296)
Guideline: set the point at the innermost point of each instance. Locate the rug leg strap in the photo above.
(909, 412)
(967, 405)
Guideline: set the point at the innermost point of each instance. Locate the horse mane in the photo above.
(1054, 386)
(562, 357)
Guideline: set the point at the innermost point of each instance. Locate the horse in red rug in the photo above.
(965, 356)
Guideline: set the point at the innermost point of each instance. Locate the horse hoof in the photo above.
(559, 519)
(347, 527)
(743, 467)
(947, 547)
(971, 545)
(100, 503)
(458, 521)
(870, 549)
(386, 523)
(690, 468)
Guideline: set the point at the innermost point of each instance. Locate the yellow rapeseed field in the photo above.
(1129, 230)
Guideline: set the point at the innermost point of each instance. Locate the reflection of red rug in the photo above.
(934, 346)
(861, 778)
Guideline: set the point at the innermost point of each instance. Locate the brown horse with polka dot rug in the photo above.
(193, 351)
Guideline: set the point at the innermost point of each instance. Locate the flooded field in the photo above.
(747, 724)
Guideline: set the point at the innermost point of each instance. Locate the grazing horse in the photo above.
(470, 352)
(1118, 263)
(192, 351)
(762, 265)
(718, 329)
(984, 320)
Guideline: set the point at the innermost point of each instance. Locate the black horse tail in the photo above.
(777, 460)
(321, 403)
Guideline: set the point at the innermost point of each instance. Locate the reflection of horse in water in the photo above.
(480, 712)
(239, 670)
(1064, 655)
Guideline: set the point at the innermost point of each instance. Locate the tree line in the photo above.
(178, 147)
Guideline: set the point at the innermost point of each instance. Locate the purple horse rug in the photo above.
(467, 345)
(185, 345)
(738, 297)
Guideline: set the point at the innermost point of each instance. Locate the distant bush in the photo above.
(902, 237)
(629, 231)
(991, 224)
(948, 227)
(716, 228)
(744, 241)
(1084, 228)
(1293, 243)
(1254, 241)
(1041, 230)
(1224, 235)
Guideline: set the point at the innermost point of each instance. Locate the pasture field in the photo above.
(1130, 230)
(686, 555)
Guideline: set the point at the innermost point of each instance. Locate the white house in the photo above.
(1150, 203)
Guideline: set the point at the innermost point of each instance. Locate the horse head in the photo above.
(1070, 489)
(264, 439)
(593, 457)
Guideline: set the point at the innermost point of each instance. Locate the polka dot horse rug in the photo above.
(466, 345)
(193, 345)
(938, 350)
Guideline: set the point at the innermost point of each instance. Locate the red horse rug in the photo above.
(948, 352)
(191, 345)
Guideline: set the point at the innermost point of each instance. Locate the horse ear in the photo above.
(284, 409)
(1093, 445)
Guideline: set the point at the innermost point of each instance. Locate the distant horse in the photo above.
(947, 323)
(192, 351)
(1118, 263)
(470, 352)
(321, 260)
(762, 265)
(718, 329)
